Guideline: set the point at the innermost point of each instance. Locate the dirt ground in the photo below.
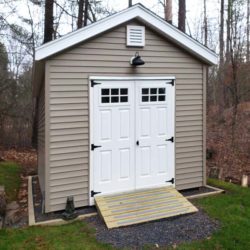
(27, 159)
(228, 158)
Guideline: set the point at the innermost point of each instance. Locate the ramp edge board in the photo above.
(142, 206)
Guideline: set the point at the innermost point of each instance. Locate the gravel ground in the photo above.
(194, 191)
(185, 228)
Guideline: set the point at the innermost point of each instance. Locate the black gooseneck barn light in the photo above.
(136, 60)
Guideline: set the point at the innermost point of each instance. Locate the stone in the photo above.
(1, 222)
(214, 172)
(12, 206)
(12, 217)
(2, 201)
(244, 181)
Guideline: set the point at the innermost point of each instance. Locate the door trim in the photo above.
(91, 119)
(124, 78)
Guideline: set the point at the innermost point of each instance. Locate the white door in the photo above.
(133, 121)
(113, 117)
(154, 128)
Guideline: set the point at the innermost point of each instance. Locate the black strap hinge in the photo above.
(93, 193)
(172, 181)
(170, 82)
(93, 147)
(93, 83)
(170, 139)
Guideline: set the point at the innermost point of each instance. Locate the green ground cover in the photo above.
(10, 179)
(232, 209)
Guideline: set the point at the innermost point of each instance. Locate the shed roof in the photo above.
(139, 12)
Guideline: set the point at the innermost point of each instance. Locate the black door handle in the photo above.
(137, 143)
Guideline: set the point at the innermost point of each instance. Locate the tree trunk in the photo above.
(168, 11)
(182, 15)
(80, 14)
(229, 20)
(86, 8)
(248, 30)
(48, 21)
(205, 22)
(221, 87)
(221, 33)
(130, 3)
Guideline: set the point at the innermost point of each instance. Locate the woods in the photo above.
(228, 90)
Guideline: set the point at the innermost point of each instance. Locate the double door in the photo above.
(133, 135)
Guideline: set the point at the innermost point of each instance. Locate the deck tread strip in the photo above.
(142, 206)
(138, 207)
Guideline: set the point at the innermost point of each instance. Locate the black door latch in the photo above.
(171, 139)
(93, 146)
(172, 181)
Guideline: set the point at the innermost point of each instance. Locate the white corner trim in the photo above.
(137, 11)
(31, 213)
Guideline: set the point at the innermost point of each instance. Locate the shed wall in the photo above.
(41, 139)
(68, 133)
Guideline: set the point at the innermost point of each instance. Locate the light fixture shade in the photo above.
(136, 60)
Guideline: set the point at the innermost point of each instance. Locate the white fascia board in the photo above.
(137, 11)
(179, 37)
(83, 34)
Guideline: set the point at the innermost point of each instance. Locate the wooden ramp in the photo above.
(141, 206)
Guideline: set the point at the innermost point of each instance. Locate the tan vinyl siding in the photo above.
(69, 103)
(41, 139)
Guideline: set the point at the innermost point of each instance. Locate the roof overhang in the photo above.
(137, 11)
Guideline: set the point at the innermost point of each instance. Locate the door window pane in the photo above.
(144, 98)
(153, 91)
(123, 91)
(105, 91)
(114, 91)
(105, 99)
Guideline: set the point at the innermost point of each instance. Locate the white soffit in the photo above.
(137, 11)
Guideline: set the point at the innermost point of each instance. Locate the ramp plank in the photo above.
(141, 206)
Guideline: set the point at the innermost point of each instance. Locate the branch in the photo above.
(64, 10)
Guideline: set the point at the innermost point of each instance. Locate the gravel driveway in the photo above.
(170, 231)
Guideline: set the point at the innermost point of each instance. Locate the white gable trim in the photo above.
(137, 11)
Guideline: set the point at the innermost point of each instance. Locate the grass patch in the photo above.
(72, 236)
(10, 179)
(231, 209)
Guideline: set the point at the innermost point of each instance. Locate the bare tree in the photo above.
(168, 11)
(248, 30)
(229, 21)
(80, 14)
(48, 21)
(221, 40)
(205, 22)
(182, 15)
(86, 8)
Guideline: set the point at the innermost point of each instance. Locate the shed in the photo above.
(106, 125)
